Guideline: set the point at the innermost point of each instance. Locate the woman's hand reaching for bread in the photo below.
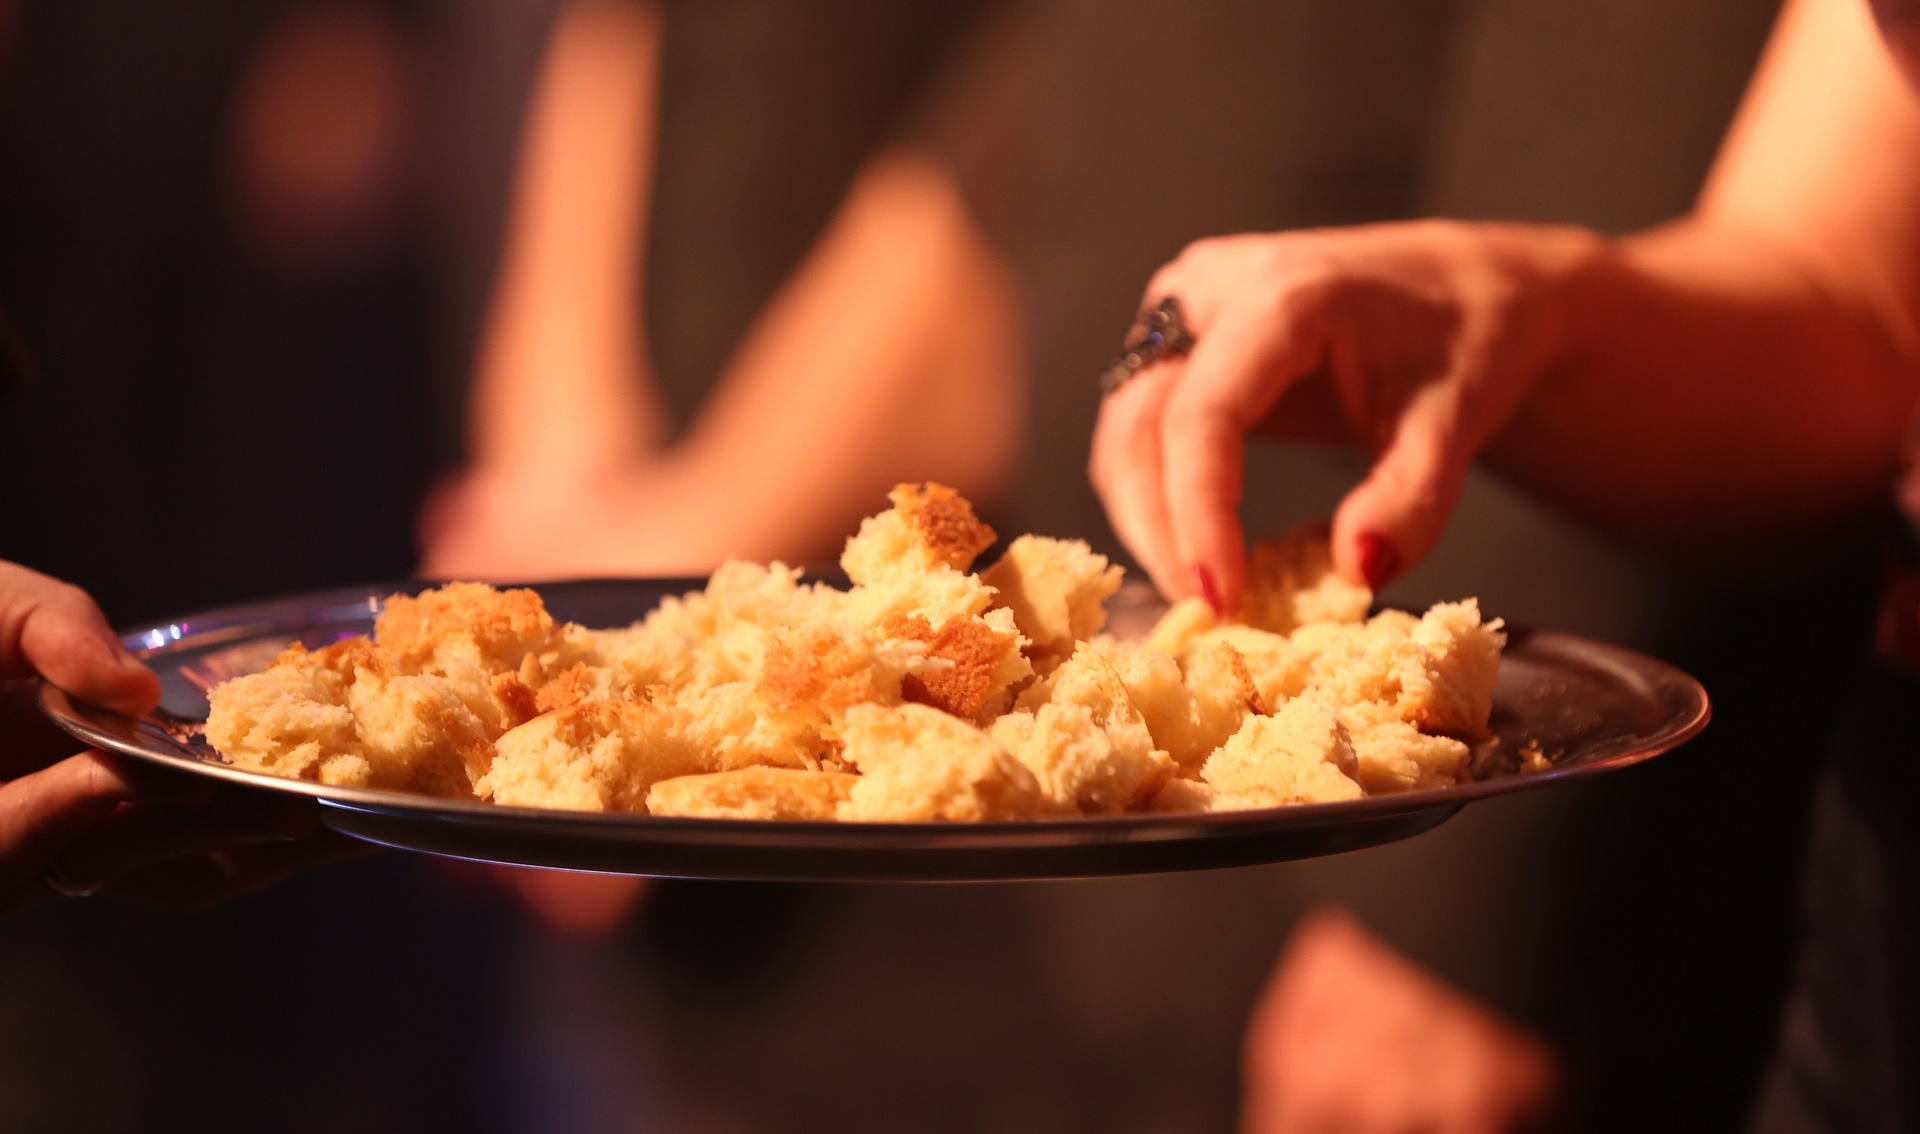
(75, 822)
(1416, 341)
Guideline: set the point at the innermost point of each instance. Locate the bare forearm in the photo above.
(560, 391)
(892, 355)
(1712, 391)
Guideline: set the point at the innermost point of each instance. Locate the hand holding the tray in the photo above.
(75, 823)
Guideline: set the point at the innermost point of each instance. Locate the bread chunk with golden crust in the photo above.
(929, 527)
(822, 673)
(290, 720)
(1291, 582)
(574, 685)
(752, 793)
(1157, 691)
(594, 756)
(1224, 693)
(463, 621)
(923, 693)
(595, 665)
(1057, 590)
(733, 724)
(975, 662)
(1280, 667)
(810, 678)
(475, 637)
(919, 765)
(416, 733)
(1300, 754)
(748, 604)
(345, 715)
(912, 559)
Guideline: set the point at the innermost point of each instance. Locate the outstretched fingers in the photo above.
(1125, 468)
(1237, 373)
(1395, 516)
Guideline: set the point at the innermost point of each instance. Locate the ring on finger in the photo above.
(56, 879)
(1157, 333)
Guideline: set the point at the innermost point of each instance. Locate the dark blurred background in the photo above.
(246, 254)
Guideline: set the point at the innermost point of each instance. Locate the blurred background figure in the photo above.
(613, 287)
(883, 347)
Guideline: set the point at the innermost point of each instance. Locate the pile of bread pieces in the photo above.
(924, 692)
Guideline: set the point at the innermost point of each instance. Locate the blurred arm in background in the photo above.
(892, 353)
(1348, 1035)
(1727, 384)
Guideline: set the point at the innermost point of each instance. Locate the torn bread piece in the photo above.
(925, 692)
(475, 637)
(1090, 679)
(974, 662)
(1291, 582)
(1393, 756)
(820, 673)
(1189, 709)
(752, 793)
(1056, 590)
(594, 756)
(919, 765)
(289, 720)
(1300, 754)
(913, 559)
(733, 724)
(1116, 771)
(345, 715)
(749, 604)
(1435, 672)
(929, 528)
(463, 622)
(809, 680)
(1079, 766)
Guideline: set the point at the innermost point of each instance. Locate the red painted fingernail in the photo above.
(1203, 581)
(1379, 559)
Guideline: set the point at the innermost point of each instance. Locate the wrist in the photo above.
(1560, 273)
(1559, 279)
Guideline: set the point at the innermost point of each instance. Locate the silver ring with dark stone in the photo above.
(1158, 333)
